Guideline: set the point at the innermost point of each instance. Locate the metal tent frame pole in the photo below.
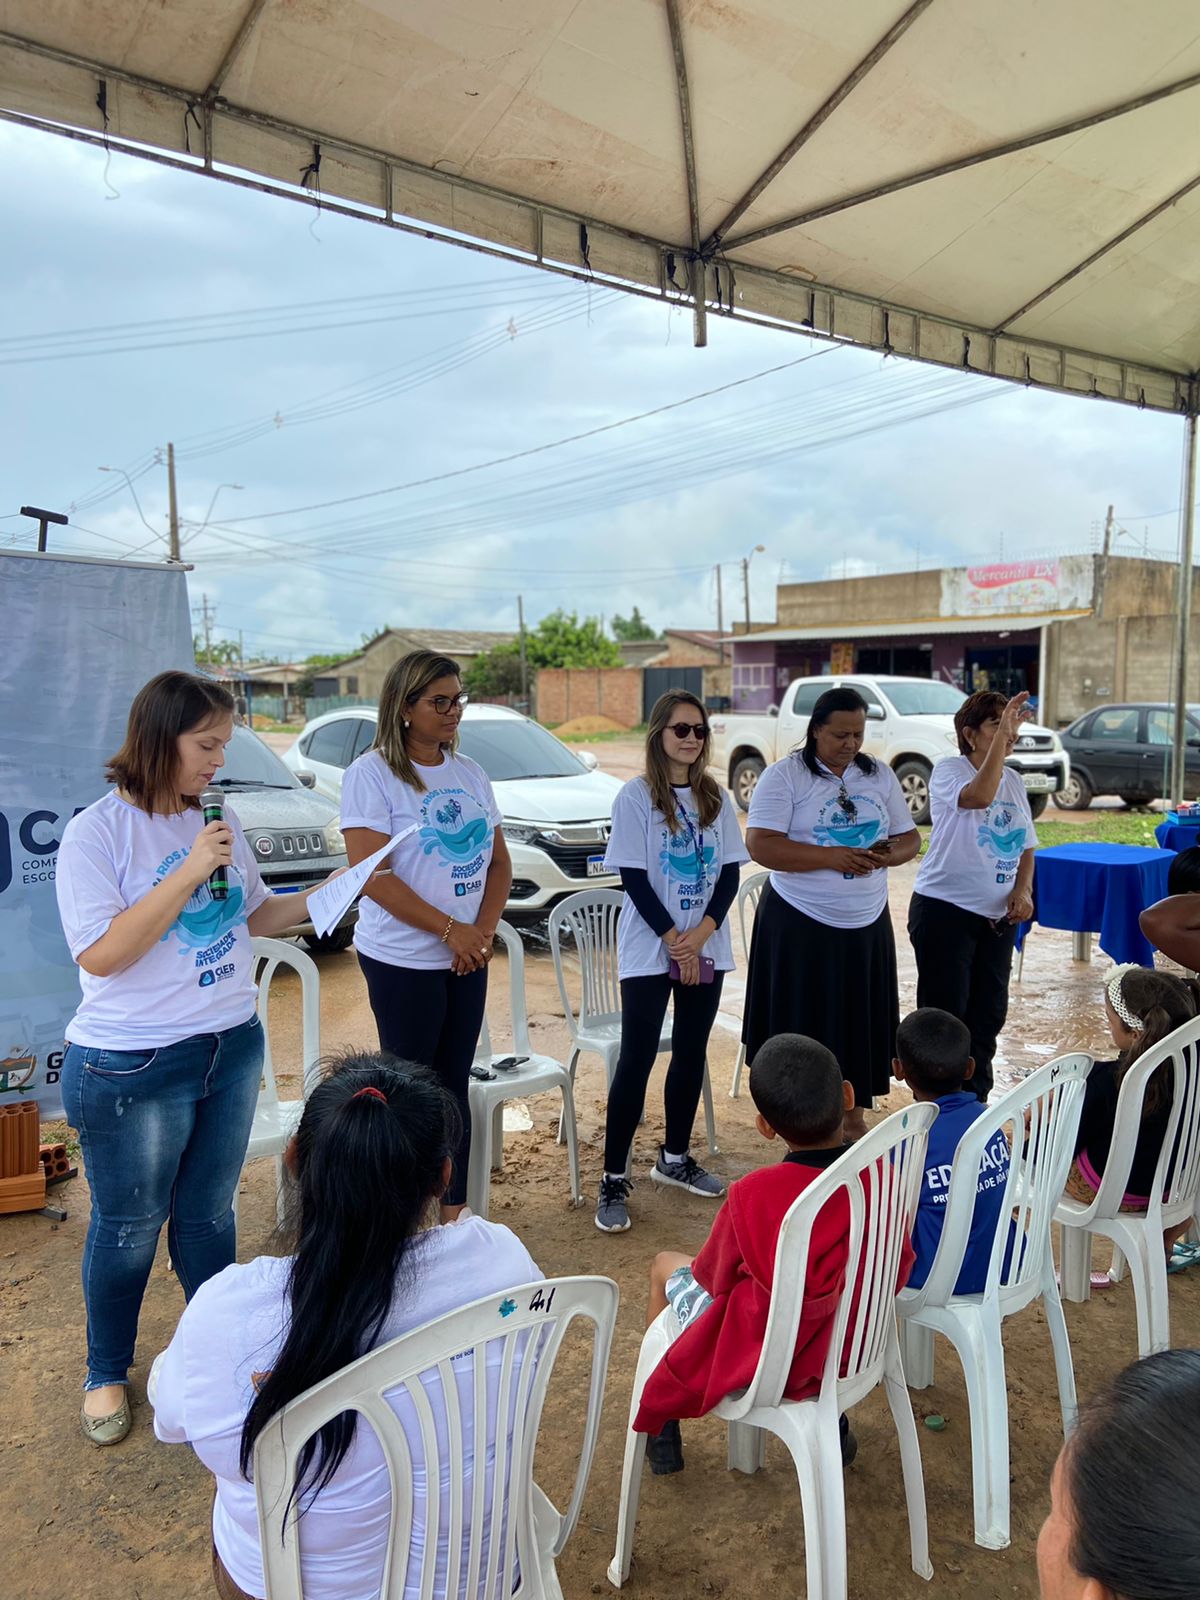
(1186, 580)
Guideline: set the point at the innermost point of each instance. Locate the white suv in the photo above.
(556, 806)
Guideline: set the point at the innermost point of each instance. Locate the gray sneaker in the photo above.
(687, 1174)
(612, 1213)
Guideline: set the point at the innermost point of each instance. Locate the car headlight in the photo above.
(335, 844)
(519, 832)
(1055, 742)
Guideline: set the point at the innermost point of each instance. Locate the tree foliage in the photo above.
(632, 627)
(559, 640)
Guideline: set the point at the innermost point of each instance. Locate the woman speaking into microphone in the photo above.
(164, 1055)
(425, 929)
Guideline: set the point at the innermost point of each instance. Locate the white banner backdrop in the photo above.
(81, 637)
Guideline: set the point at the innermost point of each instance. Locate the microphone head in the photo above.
(212, 798)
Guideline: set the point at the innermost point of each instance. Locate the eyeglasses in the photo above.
(682, 729)
(442, 703)
(847, 805)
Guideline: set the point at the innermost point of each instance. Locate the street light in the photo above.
(200, 526)
(746, 560)
(133, 492)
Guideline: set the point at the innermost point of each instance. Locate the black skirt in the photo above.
(837, 985)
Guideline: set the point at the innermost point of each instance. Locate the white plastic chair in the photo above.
(749, 894)
(590, 917)
(476, 1537)
(276, 1120)
(1052, 1097)
(535, 1075)
(1175, 1196)
(881, 1175)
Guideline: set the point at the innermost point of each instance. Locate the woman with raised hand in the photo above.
(973, 887)
(369, 1261)
(828, 821)
(425, 930)
(677, 845)
(164, 1055)
(1124, 1520)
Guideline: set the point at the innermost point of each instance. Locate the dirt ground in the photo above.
(133, 1521)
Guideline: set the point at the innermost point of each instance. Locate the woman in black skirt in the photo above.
(828, 821)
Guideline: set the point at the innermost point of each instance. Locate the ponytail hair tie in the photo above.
(1112, 988)
(371, 1093)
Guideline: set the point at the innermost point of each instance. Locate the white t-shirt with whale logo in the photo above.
(445, 860)
(805, 806)
(199, 977)
(973, 856)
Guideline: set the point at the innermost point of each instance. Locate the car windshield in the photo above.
(918, 698)
(507, 748)
(250, 765)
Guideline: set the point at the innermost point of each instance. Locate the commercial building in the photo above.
(1076, 631)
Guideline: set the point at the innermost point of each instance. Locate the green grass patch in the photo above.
(600, 738)
(1101, 827)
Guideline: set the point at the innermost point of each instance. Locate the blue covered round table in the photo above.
(1176, 836)
(1100, 888)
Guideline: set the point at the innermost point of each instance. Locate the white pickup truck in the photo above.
(910, 725)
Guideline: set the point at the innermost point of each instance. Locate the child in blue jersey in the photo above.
(934, 1058)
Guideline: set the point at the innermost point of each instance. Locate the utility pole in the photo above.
(207, 617)
(174, 535)
(1109, 528)
(720, 614)
(1187, 577)
(524, 662)
(746, 588)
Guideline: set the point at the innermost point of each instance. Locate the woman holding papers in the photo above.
(164, 1055)
(425, 930)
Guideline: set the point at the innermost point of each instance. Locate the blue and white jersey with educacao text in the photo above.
(198, 978)
(956, 1113)
(445, 859)
(683, 868)
(973, 856)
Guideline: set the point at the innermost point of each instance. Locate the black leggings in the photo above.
(643, 1007)
(432, 1018)
(963, 967)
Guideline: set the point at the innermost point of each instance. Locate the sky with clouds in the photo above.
(394, 412)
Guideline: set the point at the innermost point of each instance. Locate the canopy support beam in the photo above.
(240, 40)
(1090, 261)
(1011, 147)
(849, 83)
(1186, 582)
(696, 264)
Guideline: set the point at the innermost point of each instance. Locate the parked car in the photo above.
(294, 834)
(910, 725)
(1126, 751)
(557, 808)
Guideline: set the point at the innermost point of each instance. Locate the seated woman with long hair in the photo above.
(372, 1158)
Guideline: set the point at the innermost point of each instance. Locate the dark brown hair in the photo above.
(658, 769)
(406, 681)
(975, 710)
(1162, 1002)
(147, 764)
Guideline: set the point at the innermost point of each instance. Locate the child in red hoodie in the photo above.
(719, 1301)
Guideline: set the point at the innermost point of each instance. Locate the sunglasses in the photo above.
(442, 703)
(847, 805)
(682, 729)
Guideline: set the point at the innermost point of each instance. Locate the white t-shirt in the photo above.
(233, 1328)
(973, 856)
(792, 800)
(445, 861)
(683, 868)
(198, 978)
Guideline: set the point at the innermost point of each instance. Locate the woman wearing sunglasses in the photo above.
(425, 928)
(973, 889)
(677, 845)
(828, 821)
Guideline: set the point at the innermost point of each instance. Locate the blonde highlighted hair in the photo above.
(404, 685)
(658, 768)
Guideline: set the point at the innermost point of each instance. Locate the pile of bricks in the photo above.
(55, 1162)
(22, 1172)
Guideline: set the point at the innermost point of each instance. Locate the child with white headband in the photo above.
(1142, 1007)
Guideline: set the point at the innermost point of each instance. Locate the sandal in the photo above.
(107, 1430)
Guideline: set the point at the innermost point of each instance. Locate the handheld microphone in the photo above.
(212, 803)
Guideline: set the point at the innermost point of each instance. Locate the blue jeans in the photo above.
(163, 1135)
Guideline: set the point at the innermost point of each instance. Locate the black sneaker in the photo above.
(664, 1451)
(849, 1442)
(612, 1213)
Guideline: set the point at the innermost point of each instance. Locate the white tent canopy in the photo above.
(1010, 189)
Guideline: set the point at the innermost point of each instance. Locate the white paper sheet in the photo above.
(328, 904)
